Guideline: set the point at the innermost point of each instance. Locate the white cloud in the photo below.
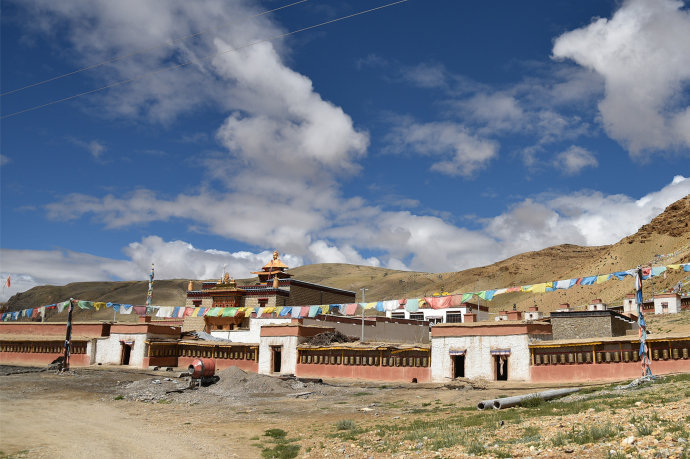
(498, 111)
(426, 75)
(322, 252)
(94, 147)
(172, 259)
(584, 218)
(4, 160)
(642, 54)
(426, 243)
(574, 159)
(461, 153)
(100, 29)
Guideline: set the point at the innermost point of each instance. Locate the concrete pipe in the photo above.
(507, 402)
(485, 404)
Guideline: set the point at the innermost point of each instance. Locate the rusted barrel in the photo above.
(202, 368)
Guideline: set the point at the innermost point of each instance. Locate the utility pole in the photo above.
(361, 340)
(68, 337)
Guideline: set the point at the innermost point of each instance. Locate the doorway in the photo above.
(458, 366)
(276, 352)
(501, 365)
(126, 353)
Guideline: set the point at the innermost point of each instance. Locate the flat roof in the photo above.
(489, 323)
(39, 338)
(356, 345)
(608, 339)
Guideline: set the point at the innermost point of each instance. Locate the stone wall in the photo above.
(253, 301)
(303, 295)
(589, 324)
(376, 329)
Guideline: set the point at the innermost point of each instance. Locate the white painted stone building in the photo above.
(126, 344)
(249, 335)
(489, 350)
(442, 316)
(278, 346)
(667, 303)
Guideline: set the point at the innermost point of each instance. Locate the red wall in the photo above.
(168, 361)
(604, 371)
(374, 373)
(40, 359)
(246, 365)
(54, 329)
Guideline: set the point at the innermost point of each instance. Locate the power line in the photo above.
(140, 51)
(205, 58)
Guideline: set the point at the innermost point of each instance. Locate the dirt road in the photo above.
(96, 412)
(121, 413)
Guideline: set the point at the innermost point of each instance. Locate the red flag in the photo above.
(8, 283)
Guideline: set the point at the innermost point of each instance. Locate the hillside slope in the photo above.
(666, 233)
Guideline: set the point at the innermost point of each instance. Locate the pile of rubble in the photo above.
(328, 338)
(233, 385)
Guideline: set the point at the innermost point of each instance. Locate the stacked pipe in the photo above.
(500, 403)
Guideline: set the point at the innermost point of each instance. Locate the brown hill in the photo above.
(667, 233)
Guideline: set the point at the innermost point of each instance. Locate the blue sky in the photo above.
(428, 135)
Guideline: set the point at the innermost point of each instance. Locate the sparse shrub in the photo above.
(476, 448)
(281, 451)
(592, 434)
(643, 429)
(560, 439)
(346, 424)
(277, 434)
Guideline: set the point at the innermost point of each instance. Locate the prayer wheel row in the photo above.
(608, 356)
(364, 360)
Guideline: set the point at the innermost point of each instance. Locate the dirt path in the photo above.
(85, 414)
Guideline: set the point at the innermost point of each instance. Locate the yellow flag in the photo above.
(602, 278)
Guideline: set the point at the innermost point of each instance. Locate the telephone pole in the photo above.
(361, 340)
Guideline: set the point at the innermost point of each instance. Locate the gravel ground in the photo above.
(336, 420)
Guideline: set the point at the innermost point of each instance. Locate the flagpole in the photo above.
(68, 336)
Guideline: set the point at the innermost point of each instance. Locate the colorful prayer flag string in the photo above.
(644, 349)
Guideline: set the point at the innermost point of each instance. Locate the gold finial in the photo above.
(275, 254)
(190, 286)
(226, 278)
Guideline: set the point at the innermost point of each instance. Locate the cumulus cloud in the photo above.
(461, 153)
(101, 29)
(172, 259)
(29, 268)
(403, 240)
(584, 218)
(642, 54)
(574, 159)
(322, 252)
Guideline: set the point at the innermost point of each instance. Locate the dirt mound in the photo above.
(328, 338)
(235, 381)
(233, 386)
